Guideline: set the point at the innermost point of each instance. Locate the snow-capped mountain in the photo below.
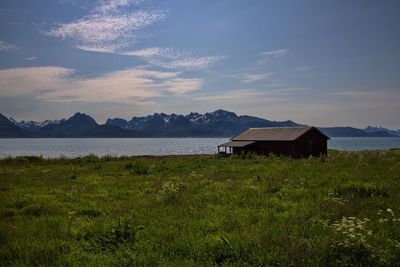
(220, 123)
(217, 123)
(34, 124)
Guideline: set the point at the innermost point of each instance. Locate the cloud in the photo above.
(25, 81)
(232, 96)
(111, 28)
(56, 84)
(249, 77)
(173, 59)
(148, 52)
(376, 99)
(252, 77)
(5, 47)
(357, 93)
(183, 85)
(190, 62)
(30, 58)
(114, 5)
(275, 53)
(246, 96)
(108, 28)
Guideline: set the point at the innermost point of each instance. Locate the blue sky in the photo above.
(325, 63)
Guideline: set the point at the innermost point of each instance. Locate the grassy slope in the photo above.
(201, 210)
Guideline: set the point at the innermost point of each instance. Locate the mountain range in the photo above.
(220, 123)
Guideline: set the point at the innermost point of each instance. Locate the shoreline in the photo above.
(180, 156)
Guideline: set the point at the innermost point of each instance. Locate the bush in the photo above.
(88, 213)
(137, 168)
(72, 174)
(351, 254)
(29, 159)
(113, 237)
(361, 189)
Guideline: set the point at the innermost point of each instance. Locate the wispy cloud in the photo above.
(247, 77)
(183, 85)
(5, 47)
(28, 81)
(234, 95)
(30, 58)
(149, 52)
(266, 56)
(255, 77)
(108, 27)
(275, 53)
(356, 93)
(57, 84)
(173, 59)
(111, 28)
(250, 95)
(114, 5)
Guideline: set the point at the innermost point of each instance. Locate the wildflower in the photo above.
(390, 211)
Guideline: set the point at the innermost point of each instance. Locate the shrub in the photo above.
(72, 174)
(361, 189)
(29, 159)
(113, 237)
(137, 168)
(88, 213)
(248, 155)
(221, 251)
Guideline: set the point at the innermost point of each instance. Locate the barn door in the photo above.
(310, 146)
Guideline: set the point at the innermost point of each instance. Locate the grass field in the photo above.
(342, 210)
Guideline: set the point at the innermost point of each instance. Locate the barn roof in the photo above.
(236, 143)
(274, 134)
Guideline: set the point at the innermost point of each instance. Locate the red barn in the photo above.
(290, 141)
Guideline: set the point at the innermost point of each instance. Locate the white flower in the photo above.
(390, 211)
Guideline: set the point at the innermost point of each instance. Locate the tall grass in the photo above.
(340, 210)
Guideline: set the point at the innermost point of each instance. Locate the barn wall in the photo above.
(311, 143)
(268, 147)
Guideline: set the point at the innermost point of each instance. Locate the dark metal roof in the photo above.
(237, 144)
(274, 134)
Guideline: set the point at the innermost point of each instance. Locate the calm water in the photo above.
(73, 147)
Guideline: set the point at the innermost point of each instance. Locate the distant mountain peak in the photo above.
(376, 129)
(80, 115)
(223, 114)
(9, 129)
(82, 118)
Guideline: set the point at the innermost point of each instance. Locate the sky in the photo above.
(323, 63)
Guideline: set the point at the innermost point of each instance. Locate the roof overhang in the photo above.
(237, 144)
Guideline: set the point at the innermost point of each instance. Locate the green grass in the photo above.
(340, 210)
